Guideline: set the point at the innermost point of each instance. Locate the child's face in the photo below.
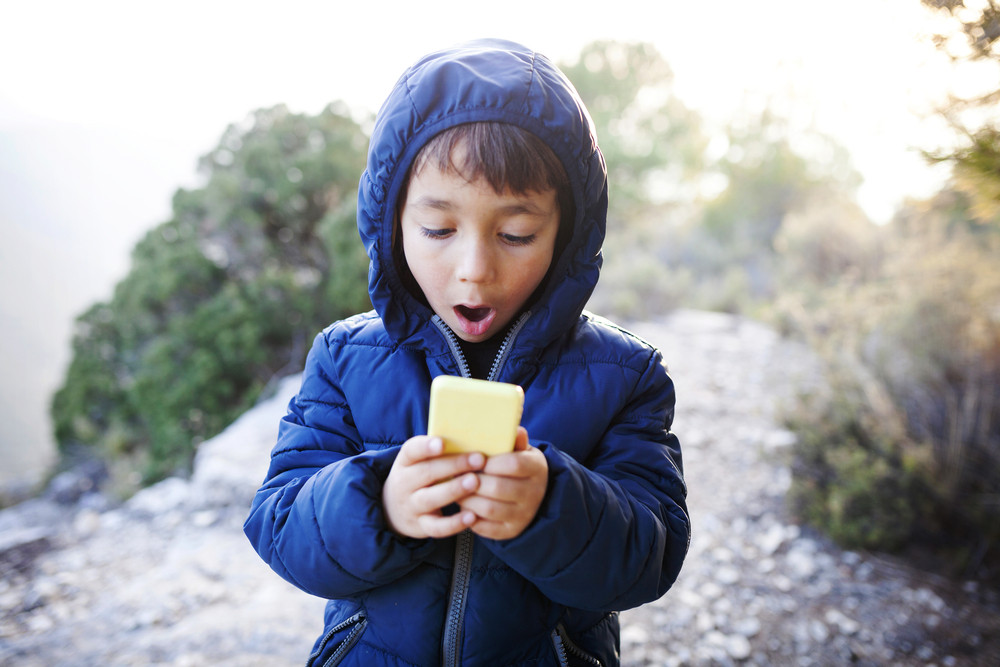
(477, 255)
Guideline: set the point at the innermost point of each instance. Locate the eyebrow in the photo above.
(427, 201)
(514, 208)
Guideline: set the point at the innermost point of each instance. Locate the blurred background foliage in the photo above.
(899, 449)
(221, 299)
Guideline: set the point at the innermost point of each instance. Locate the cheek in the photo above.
(426, 268)
(531, 273)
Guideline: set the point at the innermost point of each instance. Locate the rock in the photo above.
(737, 646)
(844, 625)
(800, 562)
(771, 539)
(86, 522)
(68, 487)
(634, 635)
(20, 548)
(779, 439)
(747, 627)
(170, 495)
(229, 467)
(818, 631)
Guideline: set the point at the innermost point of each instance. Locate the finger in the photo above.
(439, 526)
(494, 530)
(500, 488)
(432, 498)
(420, 448)
(515, 464)
(443, 468)
(421, 451)
(489, 509)
(521, 439)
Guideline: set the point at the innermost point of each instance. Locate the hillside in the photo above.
(168, 578)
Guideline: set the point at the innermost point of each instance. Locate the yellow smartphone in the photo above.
(472, 415)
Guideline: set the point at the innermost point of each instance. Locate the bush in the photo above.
(853, 474)
(222, 298)
(904, 450)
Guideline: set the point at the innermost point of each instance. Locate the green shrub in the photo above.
(903, 452)
(852, 475)
(222, 298)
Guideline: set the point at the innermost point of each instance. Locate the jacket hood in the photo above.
(485, 80)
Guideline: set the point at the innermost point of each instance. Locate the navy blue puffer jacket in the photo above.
(612, 530)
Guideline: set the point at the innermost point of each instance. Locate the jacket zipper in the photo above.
(565, 648)
(456, 351)
(455, 620)
(355, 619)
(507, 345)
(451, 643)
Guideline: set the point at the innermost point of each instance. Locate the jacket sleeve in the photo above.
(317, 520)
(612, 532)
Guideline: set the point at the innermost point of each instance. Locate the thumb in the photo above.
(420, 448)
(521, 439)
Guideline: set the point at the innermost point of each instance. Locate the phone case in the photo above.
(472, 415)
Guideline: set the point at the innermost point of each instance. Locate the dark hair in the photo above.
(506, 156)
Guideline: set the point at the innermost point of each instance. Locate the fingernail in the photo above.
(436, 446)
(477, 460)
(468, 518)
(469, 482)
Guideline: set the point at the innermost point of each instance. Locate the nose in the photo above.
(476, 263)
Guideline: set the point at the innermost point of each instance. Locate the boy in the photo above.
(483, 210)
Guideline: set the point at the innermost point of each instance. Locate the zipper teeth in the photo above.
(346, 645)
(456, 607)
(463, 365)
(575, 650)
(560, 648)
(334, 630)
(567, 647)
(505, 346)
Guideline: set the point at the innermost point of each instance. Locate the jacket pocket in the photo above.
(569, 654)
(338, 641)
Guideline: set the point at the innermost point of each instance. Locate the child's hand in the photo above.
(511, 489)
(421, 482)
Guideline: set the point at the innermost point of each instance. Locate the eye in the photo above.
(434, 233)
(511, 239)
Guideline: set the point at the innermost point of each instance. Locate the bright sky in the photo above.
(106, 105)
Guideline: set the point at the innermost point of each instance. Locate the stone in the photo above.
(800, 563)
(818, 631)
(844, 624)
(21, 546)
(727, 575)
(68, 487)
(747, 627)
(771, 539)
(779, 439)
(161, 499)
(634, 635)
(738, 647)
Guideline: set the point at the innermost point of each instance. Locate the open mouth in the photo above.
(475, 321)
(474, 314)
